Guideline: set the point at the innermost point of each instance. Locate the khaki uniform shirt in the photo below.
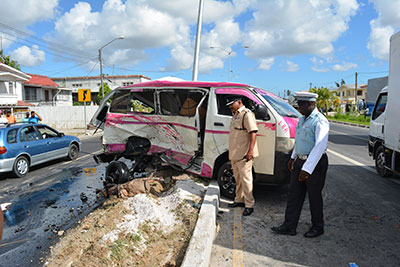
(239, 140)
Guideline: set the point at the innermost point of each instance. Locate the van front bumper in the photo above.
(6, 165)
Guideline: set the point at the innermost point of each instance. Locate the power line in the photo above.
(53, 45)
(47, 51)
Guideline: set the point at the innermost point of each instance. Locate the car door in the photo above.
(31, 143)
(182, 122)
(56, 145)
(266, 134)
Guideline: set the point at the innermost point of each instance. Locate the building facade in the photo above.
(40, 90)
(348, 94)
(94, 82)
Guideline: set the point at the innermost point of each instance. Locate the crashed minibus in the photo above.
(185, 124)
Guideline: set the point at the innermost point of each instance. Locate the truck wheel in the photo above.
(21, 167)
(380, 162)
(226, 180)
(117, 173)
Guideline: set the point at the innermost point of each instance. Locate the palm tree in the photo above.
(324, 100)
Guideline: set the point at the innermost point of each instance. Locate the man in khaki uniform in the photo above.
(242, 151)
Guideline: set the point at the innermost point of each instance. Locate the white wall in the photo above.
(65, 117)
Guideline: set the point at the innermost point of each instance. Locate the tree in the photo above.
(288, 93)
(107, 90)
(8, 61)
(325, 97)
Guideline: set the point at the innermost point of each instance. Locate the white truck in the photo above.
(384, 143)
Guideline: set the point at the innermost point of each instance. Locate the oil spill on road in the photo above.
(37, 218)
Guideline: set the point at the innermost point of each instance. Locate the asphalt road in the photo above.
(51, 199)
(362, 217)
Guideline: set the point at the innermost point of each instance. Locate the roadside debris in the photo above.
(149, 224)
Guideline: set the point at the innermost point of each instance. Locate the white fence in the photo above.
(65, 117)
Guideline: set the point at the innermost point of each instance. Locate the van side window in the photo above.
(142, 102)
(380, 106)
(180, 102)
(120, 102)
(224, 110)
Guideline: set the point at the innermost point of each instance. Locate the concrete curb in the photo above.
(349, 123)
(199, 249)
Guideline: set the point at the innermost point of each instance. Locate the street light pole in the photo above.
(229, 52)
(101, 62)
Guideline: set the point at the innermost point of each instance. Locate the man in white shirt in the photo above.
(3, 120)
(308, 166)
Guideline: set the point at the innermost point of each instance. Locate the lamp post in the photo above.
(101, 63)
(229, 52)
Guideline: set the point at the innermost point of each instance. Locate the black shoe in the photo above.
(235, 204)
(283, 230)
(247, 211)
(314, 232)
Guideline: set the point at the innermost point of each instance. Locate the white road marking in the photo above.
(352, 161)
(83, 157)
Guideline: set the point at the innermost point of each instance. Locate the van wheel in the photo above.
(380, 162)
(226, 180)
(21, 166)
(73, 152)
(117, 173)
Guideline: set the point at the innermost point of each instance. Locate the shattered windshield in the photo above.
(282, 107)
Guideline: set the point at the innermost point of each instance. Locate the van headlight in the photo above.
(284, 144)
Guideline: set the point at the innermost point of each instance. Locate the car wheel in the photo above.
(117, 173)
(226, 180)
(21, 166)
(380, 162)
(73, 152)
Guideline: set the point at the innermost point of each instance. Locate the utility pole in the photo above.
(101, 73)
(197, 44)
(355, 91)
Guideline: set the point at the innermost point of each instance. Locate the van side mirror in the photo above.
(261, 113)
(102, 114)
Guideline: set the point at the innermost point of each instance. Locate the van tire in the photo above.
(380, 162)
(226, 180)
(117, 173)
(20, 167)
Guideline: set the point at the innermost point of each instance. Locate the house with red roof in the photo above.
(40, 90)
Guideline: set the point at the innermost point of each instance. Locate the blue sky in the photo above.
(290, 43)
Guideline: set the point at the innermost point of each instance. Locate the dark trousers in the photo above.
(297, 193)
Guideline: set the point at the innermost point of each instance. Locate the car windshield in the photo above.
(282, 107)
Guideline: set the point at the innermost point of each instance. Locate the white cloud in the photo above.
(344, 67)
(266, 63)
(297, 27)
(20, 13)
(319, 69)
(28, 57)
(387, 23)
(317, 65)
(291, 66)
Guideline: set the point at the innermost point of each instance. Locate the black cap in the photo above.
(230, 99)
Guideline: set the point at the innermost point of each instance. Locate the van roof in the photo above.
(185, 84)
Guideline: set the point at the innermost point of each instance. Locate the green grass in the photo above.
(350, 118)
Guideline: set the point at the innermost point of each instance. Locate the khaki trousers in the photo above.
(244, 182)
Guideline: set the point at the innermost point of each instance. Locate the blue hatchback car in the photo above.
(26, 144)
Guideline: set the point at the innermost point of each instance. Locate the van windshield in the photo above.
(282, 107)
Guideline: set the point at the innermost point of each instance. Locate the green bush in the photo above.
(350, 118)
